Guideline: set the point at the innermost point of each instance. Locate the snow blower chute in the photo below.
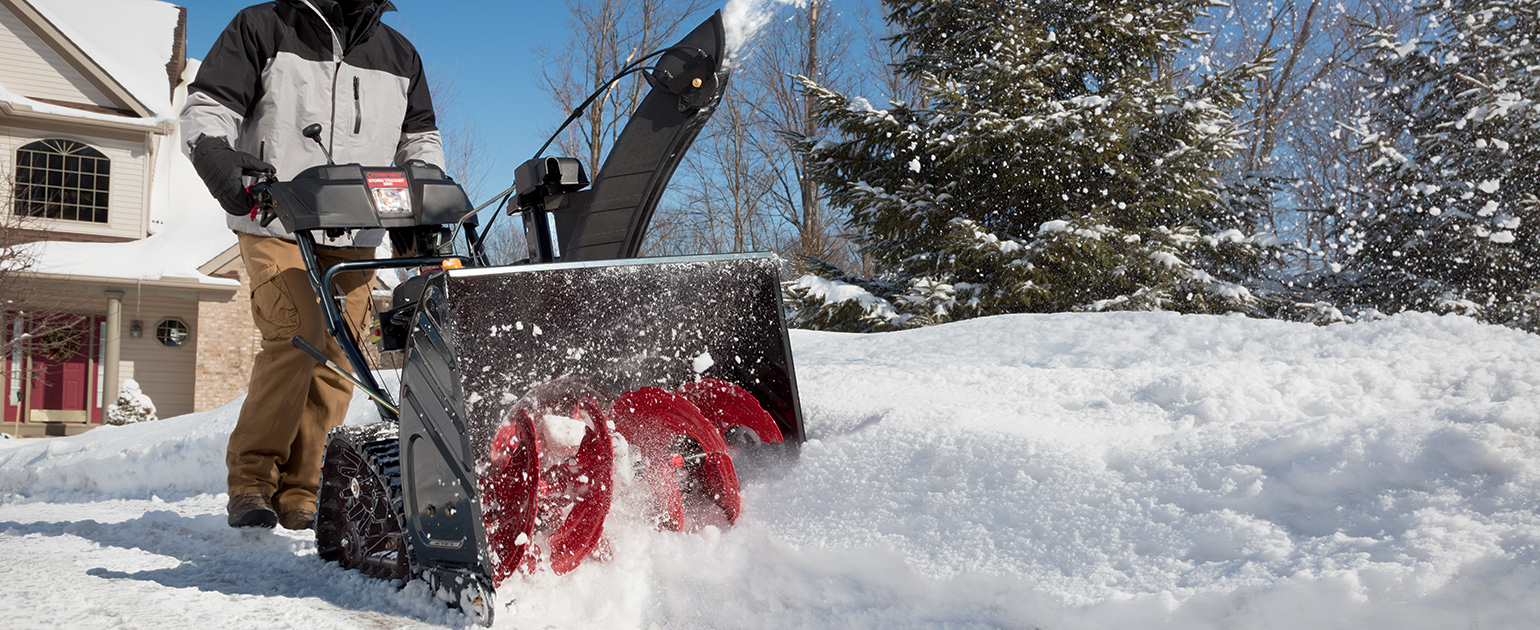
(527, 390)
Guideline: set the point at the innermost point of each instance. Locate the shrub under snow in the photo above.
(132, 406)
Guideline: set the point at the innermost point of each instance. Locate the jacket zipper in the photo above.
(358, 108)
(337, 54)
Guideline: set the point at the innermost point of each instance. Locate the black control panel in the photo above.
(350, 196)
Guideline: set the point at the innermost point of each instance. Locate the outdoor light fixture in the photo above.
(136, 329)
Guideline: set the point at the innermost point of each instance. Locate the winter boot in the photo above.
(252, 510)
(297, 519)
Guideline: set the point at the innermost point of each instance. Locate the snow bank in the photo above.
(174, 457)
(1203, 471)
(1066, 471)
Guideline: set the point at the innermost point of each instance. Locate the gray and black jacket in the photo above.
(283, 65)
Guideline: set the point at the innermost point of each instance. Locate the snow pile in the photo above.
(1205, 471)
(174, 457)
(1068, 471)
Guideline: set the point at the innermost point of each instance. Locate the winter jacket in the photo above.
(282, 66)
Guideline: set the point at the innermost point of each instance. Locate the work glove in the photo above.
(222, 168)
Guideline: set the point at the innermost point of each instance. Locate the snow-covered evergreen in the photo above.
(131, 406)
(1054, 165)
(1452, 226)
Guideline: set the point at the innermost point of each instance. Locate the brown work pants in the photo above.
(293, 401)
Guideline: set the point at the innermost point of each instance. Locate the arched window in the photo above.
(62, 179)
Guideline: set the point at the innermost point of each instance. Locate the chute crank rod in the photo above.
(304, 346)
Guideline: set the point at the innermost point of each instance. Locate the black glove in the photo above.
(222, 167)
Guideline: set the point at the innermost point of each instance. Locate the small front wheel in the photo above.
(478, 600)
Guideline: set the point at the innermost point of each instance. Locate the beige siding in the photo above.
(166, 374)
(129, 193)
(32, 68)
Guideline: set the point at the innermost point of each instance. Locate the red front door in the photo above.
(60, 385)
(63, 357)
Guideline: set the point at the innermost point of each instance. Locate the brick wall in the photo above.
(227, 343)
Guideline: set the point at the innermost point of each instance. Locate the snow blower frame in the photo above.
(524, 388)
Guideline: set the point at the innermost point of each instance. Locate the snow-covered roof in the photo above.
(187, 227)
(132, 40)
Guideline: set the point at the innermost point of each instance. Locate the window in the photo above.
(62, 179)
(171, 333)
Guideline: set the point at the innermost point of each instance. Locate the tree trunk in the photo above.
(812, 239)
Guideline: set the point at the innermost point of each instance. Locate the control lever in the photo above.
(314, 133)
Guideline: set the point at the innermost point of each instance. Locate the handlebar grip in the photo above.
(263, 195)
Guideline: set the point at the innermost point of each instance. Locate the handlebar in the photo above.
(353, 197)
(263, 208)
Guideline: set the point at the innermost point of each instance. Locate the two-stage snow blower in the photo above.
(527, 391)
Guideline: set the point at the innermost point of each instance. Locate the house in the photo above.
(129, 270)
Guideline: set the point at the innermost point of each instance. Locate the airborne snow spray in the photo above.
(744, 18)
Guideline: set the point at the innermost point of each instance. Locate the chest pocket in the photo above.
(358, 108)
(378, 102)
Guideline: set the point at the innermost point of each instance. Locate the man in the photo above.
(278, 68)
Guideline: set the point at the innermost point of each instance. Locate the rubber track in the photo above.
(379, 446)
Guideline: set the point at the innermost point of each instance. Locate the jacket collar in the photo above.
(331, 13)
(326, 6)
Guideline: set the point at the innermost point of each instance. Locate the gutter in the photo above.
(224, 290)
(9, 109)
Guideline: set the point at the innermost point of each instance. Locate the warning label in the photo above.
(386, 179)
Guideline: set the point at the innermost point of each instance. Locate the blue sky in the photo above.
(488, 47)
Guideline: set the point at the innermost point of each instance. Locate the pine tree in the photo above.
(1454, 223)
(1054, 165)
(132, 406)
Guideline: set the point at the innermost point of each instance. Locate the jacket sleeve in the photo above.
(228, 84)
(420, 138)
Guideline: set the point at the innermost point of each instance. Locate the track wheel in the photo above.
(686, 463)
(575, 463)
(358, 524)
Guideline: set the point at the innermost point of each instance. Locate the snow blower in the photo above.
(527, 390)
